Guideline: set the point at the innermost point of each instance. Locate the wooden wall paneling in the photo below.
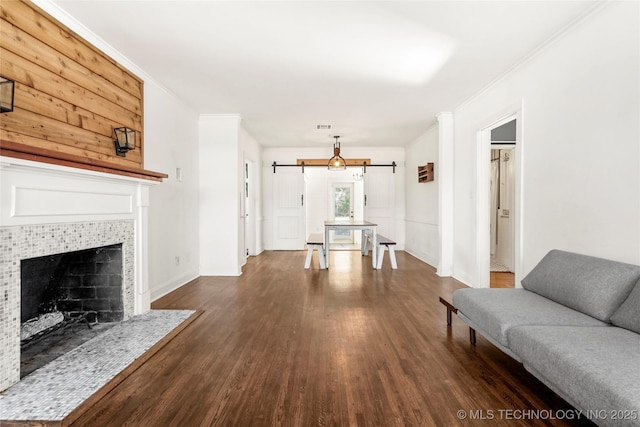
(32, 99)
(73, 96)
(57, 86)
(33, 20)
(82, 149)
(65, 115)
(69, 95)
(50, 83)
(39, 126)
(38, 53)
(56, 83)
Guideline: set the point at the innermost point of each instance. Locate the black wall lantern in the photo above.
(7, 89)
(125, 140)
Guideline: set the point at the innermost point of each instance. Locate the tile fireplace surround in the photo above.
(48, 209)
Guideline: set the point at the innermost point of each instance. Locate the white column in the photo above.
(143, 295)
(445, 176)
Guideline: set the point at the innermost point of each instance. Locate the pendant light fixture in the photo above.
(337, 163)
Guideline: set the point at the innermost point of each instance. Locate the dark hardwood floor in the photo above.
(351, 346)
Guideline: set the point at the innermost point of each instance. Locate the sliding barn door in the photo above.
(379, 208)
(288, 215)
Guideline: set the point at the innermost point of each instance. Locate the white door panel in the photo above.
(289, 210)
(379, 184)
(379, 200)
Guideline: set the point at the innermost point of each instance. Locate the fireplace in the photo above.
(86, 283)
(23, 244)
(48, 210)
(67, 299)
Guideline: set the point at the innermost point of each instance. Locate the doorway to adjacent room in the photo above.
(502, 197)
(499, 201)
(334, 195)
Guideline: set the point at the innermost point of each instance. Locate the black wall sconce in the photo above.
(7, 89)
(125, 140)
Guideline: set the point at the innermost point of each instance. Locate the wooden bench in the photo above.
(384, 244)
(451, 309)
(314, 241)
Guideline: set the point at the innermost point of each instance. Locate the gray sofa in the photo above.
(575, 325)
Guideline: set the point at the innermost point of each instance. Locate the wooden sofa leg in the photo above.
(472, 336)
(450, 309)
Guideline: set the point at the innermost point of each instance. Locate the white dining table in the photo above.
(351, 225)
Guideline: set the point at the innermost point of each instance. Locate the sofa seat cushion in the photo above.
(594, 286)
(595, 369)
(628, 315)
(495, 311)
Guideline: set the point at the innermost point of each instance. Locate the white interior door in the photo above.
(249, 208)
(379, 206)
(288, 208)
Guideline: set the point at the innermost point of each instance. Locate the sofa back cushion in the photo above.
(591, 285)
(628, 315)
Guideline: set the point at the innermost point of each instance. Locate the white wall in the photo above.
(220, 191)
(290, 155)
(580, 144)
(171, 142)
(421, 223)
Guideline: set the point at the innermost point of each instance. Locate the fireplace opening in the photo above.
(67, 299)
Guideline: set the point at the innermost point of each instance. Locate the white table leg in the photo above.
(326, 246)
(367, 242)
(374, 247)
(380, 255)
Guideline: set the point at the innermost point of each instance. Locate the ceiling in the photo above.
(377, 71)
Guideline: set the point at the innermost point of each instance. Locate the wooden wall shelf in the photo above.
(425, 173)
